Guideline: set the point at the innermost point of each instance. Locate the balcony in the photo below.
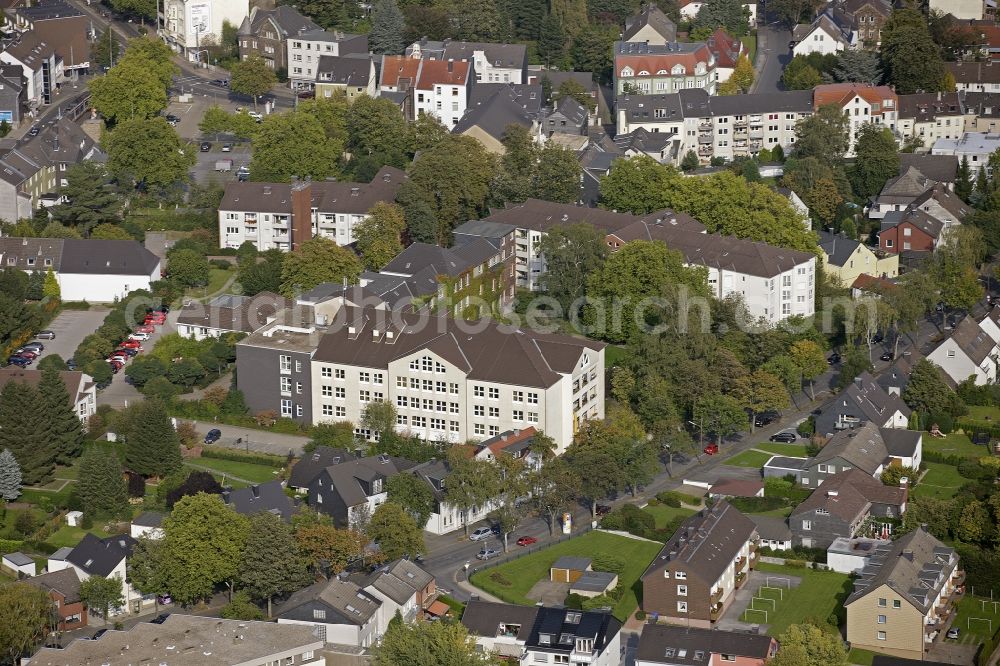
(704, 151)
(717, 595)
(705, 127)
(756, 133)
(958, 578)
(740, 123)
(715, 613)
(741, 578)
(741, 563)
(704, 139)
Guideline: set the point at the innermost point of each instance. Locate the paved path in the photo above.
(772, 56)
(261, 441)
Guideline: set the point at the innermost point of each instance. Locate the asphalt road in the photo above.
(71, 327)
(773, 55)
(120, 393)
(260, 441)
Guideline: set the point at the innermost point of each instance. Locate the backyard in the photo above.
(240, 470)
(977, 619)
(749, 459)
(664, 514)
(940, 481)
(984, 414)
(820, 595)
(512, 580)
(778, 448)
(954, 444)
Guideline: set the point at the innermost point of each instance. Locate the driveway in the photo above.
(261, 441)
(773, 55)
(71, 327)
(121, 393)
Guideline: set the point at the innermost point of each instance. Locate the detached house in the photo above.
(63, 588)
(351, 490)
(898, 193)
(337, 611)
(106, 557)
(841, 506)
(904, 596)
(400, 586)
(529, 635)
(867, 448)
(352, 74)
(863, 18)
(696, 575)
(822, 36)
(672, 645)
(494, 107)
(844, 259)
(267, 497)
(650, 26)
(313, 464)
(438, 88)
(863, 400)
(969, 351)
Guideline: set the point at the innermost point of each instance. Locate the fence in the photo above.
(781, 561)
(524, 552)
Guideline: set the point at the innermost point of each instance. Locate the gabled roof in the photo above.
(399, 71)
(287, 19)
(65, 581)
(725, 48)
(706, 543)
(345, 602)
(972, 340)
(901, 443)
(344, 70)
(672, 644)
(443, 73)
(310, 465)
(511, 441)
(867, 397)
(552, 630)
(823, 22)
(267, 497)
(939, 168)
(974, 73)
(497, 54)
(945, 198)
(917, 218)
(926, 107)
(642, 57)
(838, 248)
(234, 313)
(31, 50)
(772, 528)
(849, 496)
(346, 476)
(445, 261)
(652, 16)
(916, 566)
(495, 113)
(643, 141)
(99, 557)
(148, 519)
(863, 447)
(909, 183)
(399, 580)
(842, 93)
(572, 110)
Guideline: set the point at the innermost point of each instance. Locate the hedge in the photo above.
(75, 305)
(973, 427)
(237, 456)
(758, 504)
(946, 458)
(10, 545)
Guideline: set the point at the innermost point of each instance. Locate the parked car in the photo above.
(878, 338)
(227, 147)
(205, 146)
(165, 600)
(172, 120)
(764, 418)
(833, 358)
(222, 83)
(34, 130)
(480, 534)
(26, 353)
(145, 328)
(118, 356)
(213, 436)
(34, 346)
(785, 436)
(130, 344)
(953, 633)
(526, 541)
(139, 337)
(888, 356)
(128, 351)
(19, 361)
(711, 449)
(152, 319)
(243, 174)
(46, 335)
(256, 115)
(71, 364)
(487, 553)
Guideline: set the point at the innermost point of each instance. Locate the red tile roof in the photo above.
(653, 63)
(725, 48)
(395, 68)
(842, 93)
(443, 72)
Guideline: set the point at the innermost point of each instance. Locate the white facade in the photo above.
(134, 600)
(976, 146)
(188, 24)
(342, 634)
(773, 299)
(843, 557)
(960, 9)
(820, 41)
(959, 367)
(508, 645)
(445, 102)
(148, 531)
(448, 518)
(437, 401)
(990, 324)
(930, 131)
(96, 288)
(304, 52)
(34, 74)
(861, 111)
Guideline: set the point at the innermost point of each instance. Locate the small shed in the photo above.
(736, 488)
(74, 518)
(594, 583)
(19, 564)
(568, 569)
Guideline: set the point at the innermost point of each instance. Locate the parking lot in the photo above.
(121, 392)
(204, 171)
(71, 327)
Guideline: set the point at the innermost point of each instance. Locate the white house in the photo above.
(306, 48)
(148, 524)
(976, 146)
(822, 36)
(229, 313)
(337, 610)
(401, 587)
(188, 25)
(969, 351)
(107, 558)
(18, 564)
(80, 387)
(447, 517)
(491, 62)
(990, 323)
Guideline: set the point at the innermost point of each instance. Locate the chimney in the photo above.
(859, 382)
(833, 493)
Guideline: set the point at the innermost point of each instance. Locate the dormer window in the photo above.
(627, 71)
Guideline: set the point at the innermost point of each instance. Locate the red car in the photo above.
(145, 328)
(155, 321)
(28, 354)
(526, 541)
(131, 344)
(711, 449)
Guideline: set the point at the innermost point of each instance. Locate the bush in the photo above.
(220, 263)
(758, 504)
(10, 545)
(675, 499)
(640, 615)
(574, 601)
(795, 564)
(630, 518)
(88, 521)
(668, 499)
(498, 578)
(75, 305)
(947, 459)
(944, 421)
(608, 562)
(239, 456)
(241, 608)
(970, 468)
(808, 427)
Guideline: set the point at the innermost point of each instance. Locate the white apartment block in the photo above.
(190, 24)
(438, 88)
(493, 63)
(282, 215)
(861, 103)
(929, 117)
(306, 48)
(976, 146)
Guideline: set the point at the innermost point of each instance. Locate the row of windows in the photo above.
(429, 385)
(422, 422)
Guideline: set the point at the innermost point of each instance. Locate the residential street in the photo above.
(772, 56)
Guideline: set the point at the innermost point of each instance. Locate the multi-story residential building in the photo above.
(306, 48)
(494, 107)
(40, 64)
(904, 596)
(13, 94)
(186, 25)
(645, 69)
(353, 74)
(861, 103)
(974, 10)
(63, 588)
(265, 32)
(672, 645)
(863, 19)
(491, 62)
(727, 51)
(229, 314)
(862, 400)
(969, 352)
(868, 448)
(435, 87)
(899, 193)
(80, 387)
(930, 116)
(106, 557)
(446, 517)
(982, 111)
(450, 381)
(925, 224)
(844, 259)
(840, 508)
(695, 577)
(976, 147)
(65, 27)
(350, 490)
(650, 26)
(567, 116)
(98, 271)
(978, 77)
(212, 640)
(282, 215)
(718, 126)
(529, 635)
(822, 36)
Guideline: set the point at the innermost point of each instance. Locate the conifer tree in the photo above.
(152, 447)
(50, 287)
(10, 476)
(388, 25)
(64, 426)
(23, 433)
(963, 180)
(102, 484)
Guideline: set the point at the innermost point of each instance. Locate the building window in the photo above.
(518, 396)
(478, 391)
(341, 393)
(881, 635)
(286, 386)
(286, 407)
(494, 394)
(494, 430)
(478, 410)
(806, 525)
(364, 377)
(326, 372)
(339, 373)
(341, 411)
(285, 363)
(494, 412)
(319, 614)
(479, 429)
(682, 590)
(682, 607)
(881, 619)
(327, 410)
(881, 602)
(532, 398)
(518, 415)
(326, 391)
(895, 603)
(532, 417)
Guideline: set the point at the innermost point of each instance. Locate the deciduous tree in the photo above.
(555, 487)
(317, 260)
(729, 14)
(148, 154)
(413, 494)
(188, 267)
(251, 76)
(811, 361)
(876, 159)
(130, 90)
(911, 59)
(293, 144)
(377, 237)
(25, 614)
(327, 548)
(760, 392)
(572, 253)
(395, 532)
(102, 594)
(809, 645)
(271, 564)
(823, 135)
(429, 644)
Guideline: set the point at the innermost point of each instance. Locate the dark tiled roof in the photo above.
(772, 528)
(288, 19)
(973, 73)
(901, 443)
(849, 495)
(664, 643)
(341, 598)
(838, 248)
(863, 447)
(99, 557)
(973, 340)
(706, 543)
(258, 498)
(344, 70)
(234, 313)
(346, 477)
(483, 229)
(312, 464)
(444, 261)
(327, 196)
(66, 582)
(939, 168)
(867, 397)
(493, 114)
(560, 626)
(654, 17)
(149, 519)
(926, 107)
(399, 580)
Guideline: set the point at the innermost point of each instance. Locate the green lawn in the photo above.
(782, 449)
(613, 355)
(860, 657)
(955, 444)
(243, 470)
(70, 536)
(216, 278)
(666, 514)
(820, 594)
(940, 481)
(512, 580)
(749, 459)
(9, 517)
(782, 512)
(976, 631)
(989, 415)
(750, 41)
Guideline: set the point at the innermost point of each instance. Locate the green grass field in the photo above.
(976, 631)
(665, 514)
(248, 471)
(749, 459)
(782, 449)
(981, 414)
(70, 536)
(750, 41)
(860, 657)
(820, 594)
(512, 580)
(955, 444)
(613, 355)
(941, 481)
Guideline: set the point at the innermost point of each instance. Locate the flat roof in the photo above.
(784, 462)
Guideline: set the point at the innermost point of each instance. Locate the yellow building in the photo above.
(353, 75)
(844, 259)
